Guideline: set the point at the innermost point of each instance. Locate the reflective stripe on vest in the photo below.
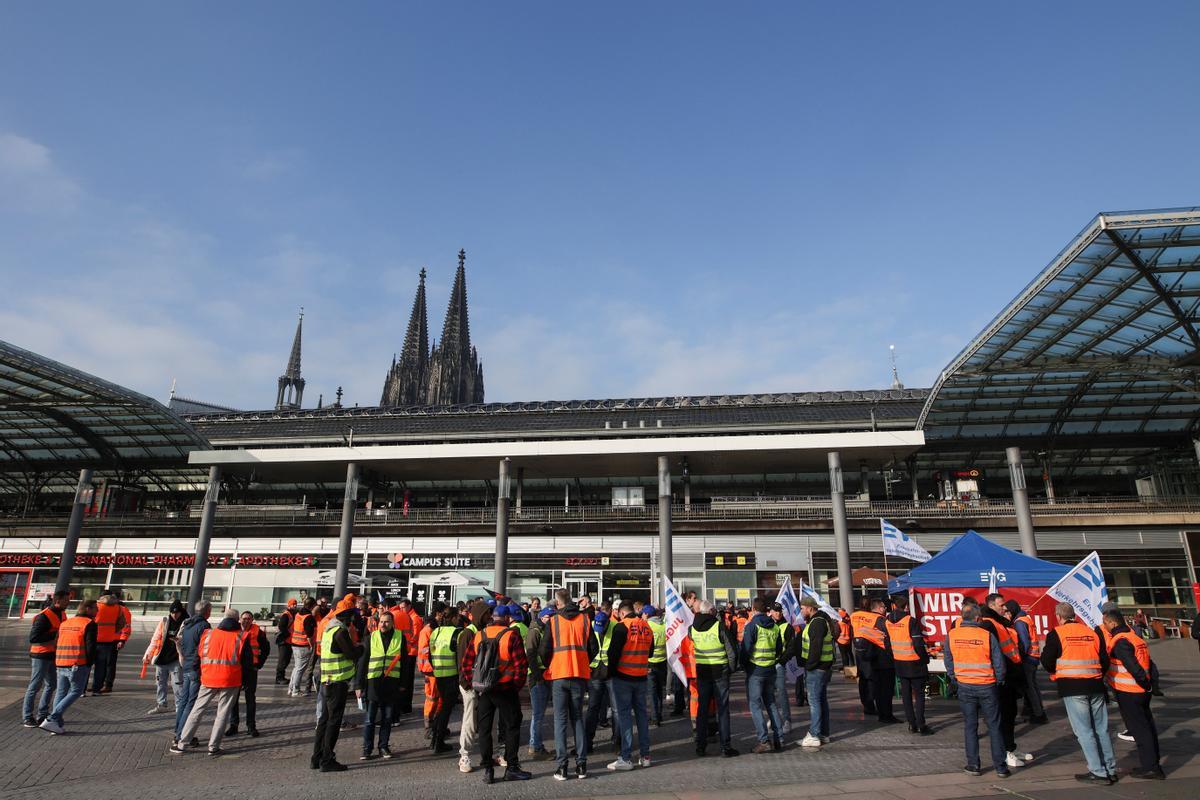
(901, 636)
(659, 654)
(1035, 646)
(1007, 638)
(863, 623)
(568, 658)
(108, 623)
(1080, 657)
(335, 667)
(602, 652)
(298, 638)
(220, 658)
(424, 665)
(252, 638)
(826, 645)
(380, 662)
(635, 655)
(844, 632)
(441, 657)
(47, 648)
(707, 646)
(766, 641)
(71, 650)
(1119, 678)
(971, 649)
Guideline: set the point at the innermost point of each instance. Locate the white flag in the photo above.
(896, 543)
(791, 614)
(992, 576)
(678, 619)
(808, 591)
(1084, 588)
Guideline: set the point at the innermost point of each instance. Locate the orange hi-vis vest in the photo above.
(863, 623)
(47, 648)
(506, 672)
(687, 657)
(1119, 678)
(569, 658)
(71, 650)
(741, 623)
(1035, 645)
(320, 632)
(252, 637)
(901, 636)
(109, 622)
(1108, 637)
(220, 658)
(1080, 659)
(971, 649)
(424, 662)
(156, 644)
(845, 633)
(403, 623)
(1007, 638)
(418, 625)
(635, 655)
(298, 638)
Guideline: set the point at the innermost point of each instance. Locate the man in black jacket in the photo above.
(815, 653)
(42, 634)
(283, 641)
(253, 658)
(379, 685)
(1080, 684)
(907, 643)
(341, 649)
(994, 617)
(712, 679)
(1130, 680)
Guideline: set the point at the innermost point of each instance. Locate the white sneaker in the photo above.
(811, 741)
(1027, 757)
(1125, 736)
(501, 761)
(464, 764)
(621, 765)
(1015, 759)
(52, 726)
(157, 710)
(644, 761)
(785, 729)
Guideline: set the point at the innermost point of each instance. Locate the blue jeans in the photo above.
(760, 692)
(539, 698)
(976, 702)
(41, 676)
(72, 683)
(568, 712)
(817, 682)
(189, 687)
(1088, 715)
(629, 698)
(707, 690)
(383, 713)
(597, 707)
(658, 688)
(781, 694)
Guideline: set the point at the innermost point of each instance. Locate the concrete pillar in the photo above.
(665, 544)
(74, 526)
(864, 481)
(500, 581)
(1016, 476)
(912, 477)
(841, 531)
(341, 578)
(520, 487)
(204, 538)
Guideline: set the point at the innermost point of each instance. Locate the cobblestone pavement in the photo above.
(114, 749)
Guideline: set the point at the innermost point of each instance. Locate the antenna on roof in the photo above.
(171, 396)
(896, 384)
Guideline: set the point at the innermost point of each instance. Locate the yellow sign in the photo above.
(743, 594)
(742, 563)
(719, 561)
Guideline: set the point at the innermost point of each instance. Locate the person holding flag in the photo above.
(716, 659)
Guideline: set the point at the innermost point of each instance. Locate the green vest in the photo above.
(826, 646)
(602, 654)
(658, 654)
(522, 628)
(441, 657)
(382, 658)
(709, 650)
(765, 642)
(335, 667)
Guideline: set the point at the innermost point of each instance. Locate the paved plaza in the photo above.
(114, 749)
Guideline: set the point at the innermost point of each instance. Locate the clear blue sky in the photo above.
(655, 198)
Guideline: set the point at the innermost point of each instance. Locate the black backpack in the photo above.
(487, 663)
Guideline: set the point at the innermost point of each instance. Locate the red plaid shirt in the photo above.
(518, 659)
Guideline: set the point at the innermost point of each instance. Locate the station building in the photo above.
(1069, 424)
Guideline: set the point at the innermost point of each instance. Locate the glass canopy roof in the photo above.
(54, 417)
(1105, 341)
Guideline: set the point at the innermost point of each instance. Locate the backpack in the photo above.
(486, 674)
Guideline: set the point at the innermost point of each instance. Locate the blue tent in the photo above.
(966, 562)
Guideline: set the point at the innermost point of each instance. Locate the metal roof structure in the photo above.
(1103, 345)
(55, 419)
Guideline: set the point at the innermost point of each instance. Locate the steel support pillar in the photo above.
(1016, 476)
(665, 543)
(520, 488)
(841, 531)
(864, 481)
(500, 581)
(74, 526)
(912, 477)
(341, 579)
(204, 538)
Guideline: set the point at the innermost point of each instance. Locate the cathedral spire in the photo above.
(291, 385)
(405, 382)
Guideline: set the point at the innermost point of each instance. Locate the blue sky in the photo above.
(661, 198)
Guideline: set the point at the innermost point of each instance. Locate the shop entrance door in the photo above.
(14, 586)
(581, 583)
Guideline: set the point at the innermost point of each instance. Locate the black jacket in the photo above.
(381, 689)
(41, 632)
(993, 622)
(1072, 687)
(567, 612)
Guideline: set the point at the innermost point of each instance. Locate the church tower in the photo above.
(291, 385)
(405, 382)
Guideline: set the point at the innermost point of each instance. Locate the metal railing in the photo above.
(807, 508)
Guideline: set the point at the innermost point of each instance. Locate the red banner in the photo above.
(938, 608)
